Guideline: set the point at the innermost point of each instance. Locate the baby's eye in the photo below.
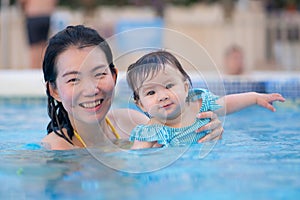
(150, 93)
(170, 85)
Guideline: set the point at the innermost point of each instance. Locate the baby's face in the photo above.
(164, 95)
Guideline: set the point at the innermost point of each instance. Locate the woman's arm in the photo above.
(235, 102)
(125, 120)
(142, 145)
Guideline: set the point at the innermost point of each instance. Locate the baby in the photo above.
(163, 90)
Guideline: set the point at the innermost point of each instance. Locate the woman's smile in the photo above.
(91, 104)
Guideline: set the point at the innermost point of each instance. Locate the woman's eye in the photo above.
(168, 86)
(100, 75)
(73, 80)
(150, 93)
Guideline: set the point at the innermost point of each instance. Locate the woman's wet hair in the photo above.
(148, 66)
(78, 36)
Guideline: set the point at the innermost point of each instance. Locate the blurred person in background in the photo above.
(37, 14)
(234, 61)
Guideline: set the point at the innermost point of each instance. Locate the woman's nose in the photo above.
(90, 88)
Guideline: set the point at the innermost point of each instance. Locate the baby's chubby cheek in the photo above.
(157, 112)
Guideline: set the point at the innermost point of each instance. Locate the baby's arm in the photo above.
(142, 145)
(236, 102)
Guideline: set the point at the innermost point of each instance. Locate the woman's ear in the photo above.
(53, 91)
(115, 74)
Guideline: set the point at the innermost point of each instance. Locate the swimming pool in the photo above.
(258, 157)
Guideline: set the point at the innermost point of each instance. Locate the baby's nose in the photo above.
(163, 96)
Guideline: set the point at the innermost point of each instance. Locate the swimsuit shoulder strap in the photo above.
(108, 123)
(113, 129)
(79, 138)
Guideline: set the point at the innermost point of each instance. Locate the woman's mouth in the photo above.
(91, 104)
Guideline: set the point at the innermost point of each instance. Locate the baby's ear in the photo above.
(140, 105)
(186, 86)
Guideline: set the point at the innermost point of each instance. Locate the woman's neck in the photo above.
(92, 134)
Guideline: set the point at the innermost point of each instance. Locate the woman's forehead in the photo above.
(80, 59)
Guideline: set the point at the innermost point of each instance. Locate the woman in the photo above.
(80, 79)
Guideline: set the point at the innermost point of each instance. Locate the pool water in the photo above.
(258, 158)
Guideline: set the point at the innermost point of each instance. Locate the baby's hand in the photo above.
(266, 100)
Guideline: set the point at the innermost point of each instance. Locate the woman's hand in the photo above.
(215, 125)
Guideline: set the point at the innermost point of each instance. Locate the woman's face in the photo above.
(84, 84)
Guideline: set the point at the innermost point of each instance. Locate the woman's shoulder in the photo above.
(128, 115)
(124, 120)
(54, 142)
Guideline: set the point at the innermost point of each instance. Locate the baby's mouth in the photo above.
(91, 104)
(167, 105)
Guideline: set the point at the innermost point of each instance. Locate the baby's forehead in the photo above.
(165, 76)
(148, 73)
